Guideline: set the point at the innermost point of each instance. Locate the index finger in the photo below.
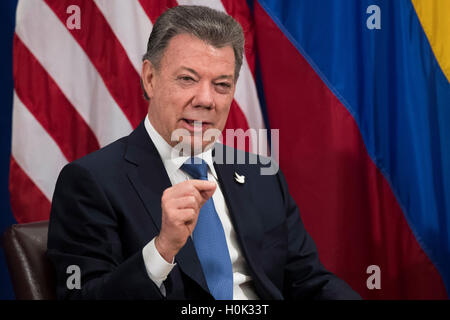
(204, 187)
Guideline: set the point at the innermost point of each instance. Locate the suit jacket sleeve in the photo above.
(305, 276)
(84, 231)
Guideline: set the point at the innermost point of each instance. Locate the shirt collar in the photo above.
(166, 152)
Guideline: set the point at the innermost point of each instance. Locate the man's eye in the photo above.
(223, 87)
(186, 78)
(224, 84)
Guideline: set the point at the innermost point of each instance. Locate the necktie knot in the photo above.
(197, 168)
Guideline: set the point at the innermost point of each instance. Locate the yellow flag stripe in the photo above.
(434, 15)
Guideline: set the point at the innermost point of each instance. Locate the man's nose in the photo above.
(204, 96)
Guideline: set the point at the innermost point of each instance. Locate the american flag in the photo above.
(77, 67)
(360, 106)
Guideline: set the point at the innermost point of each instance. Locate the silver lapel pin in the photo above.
(239, 179)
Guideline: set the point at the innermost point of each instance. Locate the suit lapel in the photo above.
(245, 221)
(150, 179)
(248, 225)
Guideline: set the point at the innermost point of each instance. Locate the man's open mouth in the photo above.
(191, 122)
(196, 123)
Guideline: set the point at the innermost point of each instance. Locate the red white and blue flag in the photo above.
(359, 91)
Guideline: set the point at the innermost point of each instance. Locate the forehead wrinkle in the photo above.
(182, 51)
(224, 76)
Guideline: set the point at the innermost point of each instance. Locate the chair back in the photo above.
(31, 272)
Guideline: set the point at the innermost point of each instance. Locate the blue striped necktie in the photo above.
(209, 240)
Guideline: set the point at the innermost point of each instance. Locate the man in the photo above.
(143, 219)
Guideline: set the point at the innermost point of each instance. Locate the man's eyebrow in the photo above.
(190, 70)
(225, 76)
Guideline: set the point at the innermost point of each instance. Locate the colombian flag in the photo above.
(360, 92)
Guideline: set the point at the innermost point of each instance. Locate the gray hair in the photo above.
(214, 27)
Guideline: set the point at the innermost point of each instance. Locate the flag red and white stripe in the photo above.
(78, 90)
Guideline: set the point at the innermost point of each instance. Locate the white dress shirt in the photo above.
(157, 267)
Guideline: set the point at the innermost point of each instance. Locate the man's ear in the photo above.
(148, 77)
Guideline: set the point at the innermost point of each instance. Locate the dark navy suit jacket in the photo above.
(107, 206)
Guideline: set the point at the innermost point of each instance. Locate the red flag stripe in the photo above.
(43, 98)
(154, 9)
(108, 56)
(34, 150)
(236, 119)
(241, 12)
(35, 206)
(131, 26)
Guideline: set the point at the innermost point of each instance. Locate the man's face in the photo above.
(195, 82)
